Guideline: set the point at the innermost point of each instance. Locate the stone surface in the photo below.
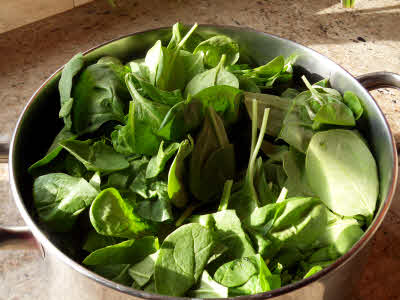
(362, 40)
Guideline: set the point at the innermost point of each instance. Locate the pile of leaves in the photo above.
(191, 173)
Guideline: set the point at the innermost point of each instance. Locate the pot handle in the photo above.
(14, 237)
(373, 81)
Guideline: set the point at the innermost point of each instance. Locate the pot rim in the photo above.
(41, 237)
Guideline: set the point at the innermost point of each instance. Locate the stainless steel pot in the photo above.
(39, 123)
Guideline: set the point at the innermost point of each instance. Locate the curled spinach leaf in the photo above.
(111, 215)
(215, 47)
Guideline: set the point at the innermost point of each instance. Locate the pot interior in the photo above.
(39, 122)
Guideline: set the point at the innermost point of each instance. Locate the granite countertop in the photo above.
(365, 39)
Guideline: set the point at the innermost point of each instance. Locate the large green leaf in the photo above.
(342, 172)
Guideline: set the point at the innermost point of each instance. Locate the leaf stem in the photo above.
(254, 124)
(258, 146)
(282, 195)
(186, 214)
(226, 194)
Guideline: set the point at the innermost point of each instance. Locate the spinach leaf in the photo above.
(95, 241)
(193, 63)
(178, 30)
(99, 96)
(127, 252)
(236, 272)
(224, 99)
(111, 215)
(325, 106)
(123, 137)
(157, 95)
(212, 160)
(143, 271)
(341, 235)
(71, 69)
(302, 221)
(342, 172)
(248, 275)
(156, 204)
(214, 76)
(139, 68)
(173, 127)
(228, 231)
(64, 135)
(312, 271)
(296, 182)
(167, 70)
(262, 282)
(208, 288)
(148, 116)
(183, 256)
(352, 101)
(215, 47)
(157, 163)
(60, 198)
(97, 156)
(176, 187)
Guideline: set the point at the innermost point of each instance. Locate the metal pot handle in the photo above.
(373, 81)
(14, 237)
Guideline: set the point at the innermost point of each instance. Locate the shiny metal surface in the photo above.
(36, 132)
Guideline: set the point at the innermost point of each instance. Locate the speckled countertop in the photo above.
(365, 39)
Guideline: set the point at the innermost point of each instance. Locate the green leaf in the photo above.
(97, 156)
(312, 271)
(212, 77)
(341, 234)
(212, 160)
(208, 288)
(60, 198)
(64, 135)
(179, 31)
(228, 231)
(156, 205)
(296, 182)
(157, 163)
(352, 101)
(127, 252)
(71, 69)
(95, 241)
(302, 221)
(176, 187)
(157, 95)
(111, 215)
(100, 95)
(224, 99)
(342, 172)
(143, 271)
(193, 64)
(166, 68)
(215, 47)
(183, 256)
(236, 272)
(123, 137)
(148, 117)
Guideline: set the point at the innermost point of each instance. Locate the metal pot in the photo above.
(39, 123)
